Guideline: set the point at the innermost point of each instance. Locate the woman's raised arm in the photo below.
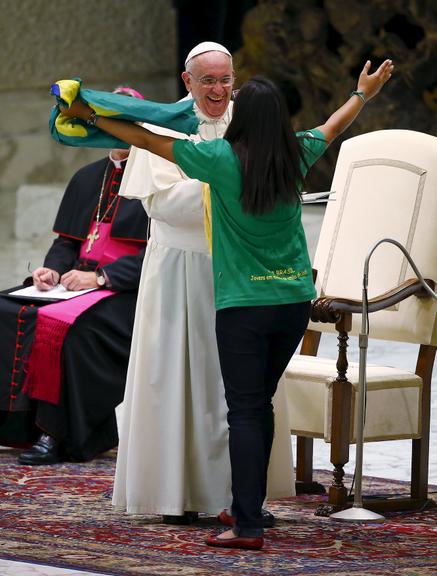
(368, 86)
(124, 130)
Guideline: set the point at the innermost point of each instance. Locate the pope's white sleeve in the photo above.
(172, 197)
(166, 192)
(133, 184)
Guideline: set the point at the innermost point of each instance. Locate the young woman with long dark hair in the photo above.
(262, 273)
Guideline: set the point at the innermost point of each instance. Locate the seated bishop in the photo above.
(63, 363)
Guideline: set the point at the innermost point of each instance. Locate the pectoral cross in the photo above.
(92, 238)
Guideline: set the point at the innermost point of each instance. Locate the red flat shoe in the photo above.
(254, 543)
(227, 520)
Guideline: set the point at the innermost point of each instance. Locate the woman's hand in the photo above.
(371, 84)
(77, 110)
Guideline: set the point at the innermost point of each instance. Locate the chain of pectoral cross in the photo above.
(94, 235)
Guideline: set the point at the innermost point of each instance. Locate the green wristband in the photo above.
(358, 93)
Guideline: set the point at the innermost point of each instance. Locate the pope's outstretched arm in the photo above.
(127, 131)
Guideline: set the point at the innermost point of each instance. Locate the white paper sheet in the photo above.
(56, 293)
(317, 197)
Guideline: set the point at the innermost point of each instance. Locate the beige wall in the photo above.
(105, 42)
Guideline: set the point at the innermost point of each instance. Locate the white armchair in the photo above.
(386, 186)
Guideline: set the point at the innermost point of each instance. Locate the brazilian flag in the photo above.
(177, 116)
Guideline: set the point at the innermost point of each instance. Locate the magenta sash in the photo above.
(43, 379)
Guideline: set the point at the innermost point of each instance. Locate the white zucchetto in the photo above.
(206, 47)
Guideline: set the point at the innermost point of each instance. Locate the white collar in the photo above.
(204, 119)
(117, 163)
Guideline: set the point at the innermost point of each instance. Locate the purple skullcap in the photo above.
(128, 92)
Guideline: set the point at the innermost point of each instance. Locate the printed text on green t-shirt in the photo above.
(281, 274)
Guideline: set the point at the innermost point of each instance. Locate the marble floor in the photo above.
(383, 459)
(8, 568)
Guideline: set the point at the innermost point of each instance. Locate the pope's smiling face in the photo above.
(209, 77)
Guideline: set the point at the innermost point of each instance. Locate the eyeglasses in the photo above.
(210, 81)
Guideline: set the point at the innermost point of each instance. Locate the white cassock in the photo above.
(173, 450)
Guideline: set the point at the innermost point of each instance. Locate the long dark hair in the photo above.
(261, 135)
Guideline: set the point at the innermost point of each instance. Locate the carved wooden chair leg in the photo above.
(420, 447)
(337, 493)
(340, 426)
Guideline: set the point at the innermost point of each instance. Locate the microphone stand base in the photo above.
(356, 514)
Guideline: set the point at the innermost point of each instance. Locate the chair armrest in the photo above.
(329, 308)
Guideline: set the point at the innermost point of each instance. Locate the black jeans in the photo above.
(255, 344)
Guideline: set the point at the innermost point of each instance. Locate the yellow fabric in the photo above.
(104, 111)
(68, 90)
(67, 127)
(207, 221)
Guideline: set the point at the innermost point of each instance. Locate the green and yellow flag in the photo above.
(178, 116)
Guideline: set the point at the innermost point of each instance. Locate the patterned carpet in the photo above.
(62, 516)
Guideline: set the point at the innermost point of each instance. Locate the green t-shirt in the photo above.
(257, 260)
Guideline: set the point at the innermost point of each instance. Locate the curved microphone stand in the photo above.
(358, 513)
